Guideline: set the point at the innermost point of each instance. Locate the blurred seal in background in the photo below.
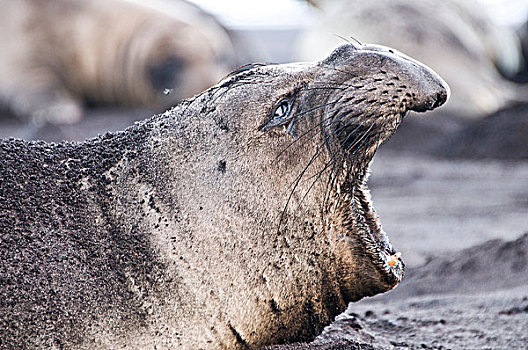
(58, 55)
(456, 38)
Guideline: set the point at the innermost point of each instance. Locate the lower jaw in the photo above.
(373, 266)
(374, 233)
(362, 274)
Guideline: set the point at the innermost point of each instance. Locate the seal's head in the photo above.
(371, 90)
(322, 124)
(279, 157)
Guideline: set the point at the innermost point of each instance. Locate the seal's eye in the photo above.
(282, 110)
(281, 115)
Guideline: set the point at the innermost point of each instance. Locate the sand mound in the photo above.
(337, 345)
(492, 266)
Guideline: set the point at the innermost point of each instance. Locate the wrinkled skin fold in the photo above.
(239, 218)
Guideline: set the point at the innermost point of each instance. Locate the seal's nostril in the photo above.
(438, 101)
(431, 101)
(441, 98)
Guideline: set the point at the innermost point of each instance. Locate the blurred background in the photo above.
(449, 180)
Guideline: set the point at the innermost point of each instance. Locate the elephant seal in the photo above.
(238, 219)
(59, 54)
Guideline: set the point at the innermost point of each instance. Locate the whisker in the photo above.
(362, 137)
(356, 40)
(329, 163)
(327, 87)
(233, 84)
(330, 83)
(331, 160)
(332, 181)
(299, 177)
(343, 38)
(320, 173)
(338, 132)
(313, 127)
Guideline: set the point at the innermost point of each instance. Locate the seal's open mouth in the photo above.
(361, 223)
(356, 137)
(373, 237)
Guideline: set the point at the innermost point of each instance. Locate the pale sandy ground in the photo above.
(432, 209)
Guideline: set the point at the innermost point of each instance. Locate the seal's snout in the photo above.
(434, 91)
(432, 101)
(402, 77)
